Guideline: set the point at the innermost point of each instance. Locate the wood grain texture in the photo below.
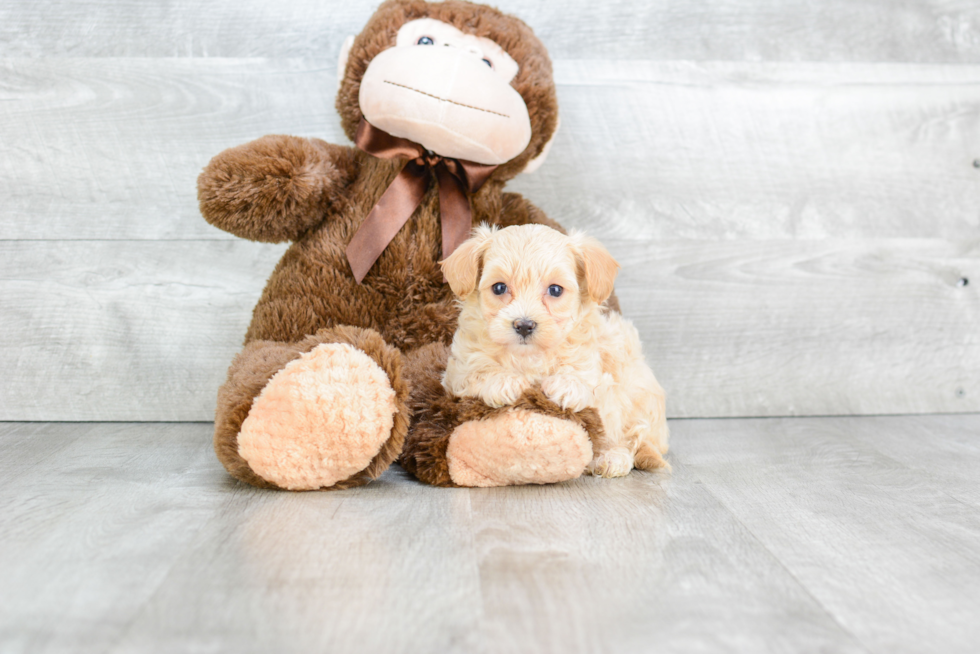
(652, 562)
(790, 535)
(874, 540)
(123, 330)
(759, 151)
(386, 569)
(946, 445)
(745, 30)
(179, 558)
(137, 330)
(807, 327)
(711, 181)
(111, 148)
(93, 520)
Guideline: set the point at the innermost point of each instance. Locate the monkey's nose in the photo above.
(524, 327)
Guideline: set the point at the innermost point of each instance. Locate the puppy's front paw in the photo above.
(501, 390)
(568, 392)
(616, 462)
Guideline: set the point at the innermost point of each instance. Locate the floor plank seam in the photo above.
(806, 589)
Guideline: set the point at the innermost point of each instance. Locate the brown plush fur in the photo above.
(437, 414)
(285, 188)
(260, 360)
(275, 188)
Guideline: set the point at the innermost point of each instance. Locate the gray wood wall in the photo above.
(791, 187)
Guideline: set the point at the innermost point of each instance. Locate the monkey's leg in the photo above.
(462, 442)
(327, 412)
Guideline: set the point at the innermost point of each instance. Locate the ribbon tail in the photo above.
(454, 207)
(472, 174)
(387, 217)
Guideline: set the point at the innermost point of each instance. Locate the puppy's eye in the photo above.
(425, 40)
(555, 290)
(499, 288)
(488, 63)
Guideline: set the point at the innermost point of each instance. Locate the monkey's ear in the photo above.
(535, 163)
(598, 268)
(462, 267)
(342, 59)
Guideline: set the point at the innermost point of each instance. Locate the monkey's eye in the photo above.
(488, 63)
(555, 290)
(499, 288)
(425, 40)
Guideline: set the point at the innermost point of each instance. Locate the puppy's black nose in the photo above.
(524, 327)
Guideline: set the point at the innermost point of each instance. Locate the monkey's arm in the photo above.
(275, 188)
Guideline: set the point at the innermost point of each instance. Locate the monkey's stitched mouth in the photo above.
(436, 97)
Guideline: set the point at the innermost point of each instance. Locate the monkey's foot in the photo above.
(517, 447)
(464, 442)
(325, 413)
(319, 420)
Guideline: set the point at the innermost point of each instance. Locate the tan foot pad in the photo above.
(517, 447)
(319, 420)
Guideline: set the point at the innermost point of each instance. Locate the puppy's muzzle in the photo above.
(524, 327)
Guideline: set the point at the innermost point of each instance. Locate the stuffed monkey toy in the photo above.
(341, 367)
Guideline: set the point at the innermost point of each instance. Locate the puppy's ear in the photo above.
(462, 267)
(598, 267)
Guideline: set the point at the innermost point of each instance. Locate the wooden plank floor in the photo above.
(771, 535)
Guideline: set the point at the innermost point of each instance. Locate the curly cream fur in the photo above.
(580, 354)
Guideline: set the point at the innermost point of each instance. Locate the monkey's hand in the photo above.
(275, 188)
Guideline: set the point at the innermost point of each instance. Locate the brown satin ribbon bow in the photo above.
(456, 178)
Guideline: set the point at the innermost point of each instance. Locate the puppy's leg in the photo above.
(569, 391)
(649, 458)
(646, 414)
(499, 389)
(612, 455)
(496, 389)
(616, 462)
(632, 401)
(480, 376)
(651, 431)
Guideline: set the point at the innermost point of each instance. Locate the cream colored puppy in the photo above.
(532, 315)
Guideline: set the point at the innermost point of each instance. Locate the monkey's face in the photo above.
(462, 79)
(448, 91)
